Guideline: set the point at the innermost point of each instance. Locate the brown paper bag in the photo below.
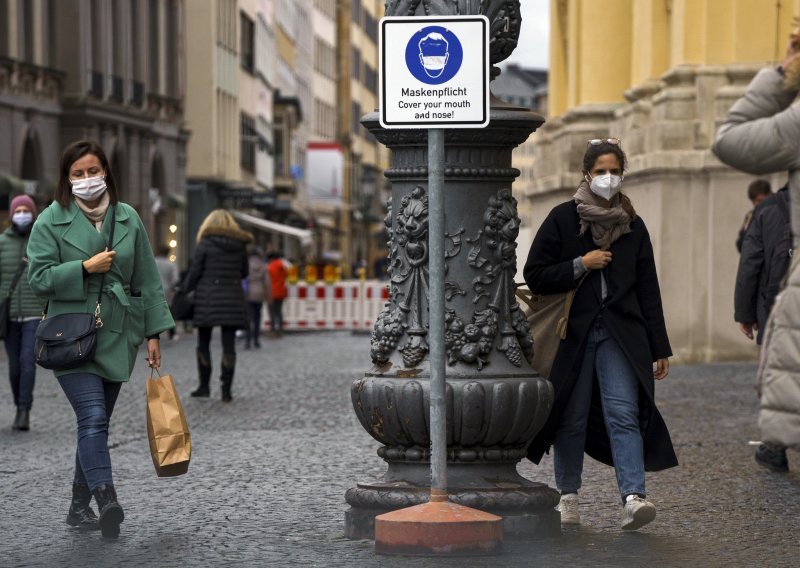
(170, 442)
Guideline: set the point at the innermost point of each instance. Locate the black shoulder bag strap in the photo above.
(98, 321)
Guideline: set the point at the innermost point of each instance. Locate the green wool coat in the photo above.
(60, 241)
(24, 303)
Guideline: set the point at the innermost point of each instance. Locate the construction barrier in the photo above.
(348, 305)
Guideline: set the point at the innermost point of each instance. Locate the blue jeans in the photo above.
(92, 398)
(20, 343)
(619, 392)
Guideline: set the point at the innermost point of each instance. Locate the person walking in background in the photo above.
(761, 135)
(616, 334)
(69, 259)
(757, 192)
(24, 310)
(258, 292)
(169, 277)
(277, 278)
(763, 264)
(219, 265)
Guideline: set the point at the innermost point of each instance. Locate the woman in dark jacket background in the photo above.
(219, 264)
(25, 309)
(603, 373)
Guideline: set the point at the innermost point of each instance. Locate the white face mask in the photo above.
(22, 219)
(89, 189)
(606, 185)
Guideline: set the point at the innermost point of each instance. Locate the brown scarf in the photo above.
(607, 224)
(95, 214)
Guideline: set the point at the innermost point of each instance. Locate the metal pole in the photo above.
(436, 305)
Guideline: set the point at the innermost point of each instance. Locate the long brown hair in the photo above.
(593, 152)
(72, 154)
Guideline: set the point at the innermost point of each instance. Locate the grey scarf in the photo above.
(607, 224)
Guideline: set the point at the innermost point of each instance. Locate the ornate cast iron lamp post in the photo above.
(496, 403)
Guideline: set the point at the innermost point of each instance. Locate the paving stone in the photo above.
(269, 471)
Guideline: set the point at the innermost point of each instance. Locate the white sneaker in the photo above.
(637, 513)
(568, 507)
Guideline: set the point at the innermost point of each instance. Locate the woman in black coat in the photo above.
(603, 373)
(218, 267)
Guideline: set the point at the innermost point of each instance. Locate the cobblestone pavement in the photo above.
(267, 480)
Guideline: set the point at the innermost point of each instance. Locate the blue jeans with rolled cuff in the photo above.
(20, 348)
(92, 398)
(619, 392)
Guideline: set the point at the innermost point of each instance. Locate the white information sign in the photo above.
(434, 72)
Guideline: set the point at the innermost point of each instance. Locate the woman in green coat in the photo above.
(68, 257)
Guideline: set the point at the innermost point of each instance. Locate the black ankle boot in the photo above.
(203, 373)
(22, 421)
(111, 514)
(80, 513)
(228, 368)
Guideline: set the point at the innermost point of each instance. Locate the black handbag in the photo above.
(5, 305)
(67, 341)
(182, 306)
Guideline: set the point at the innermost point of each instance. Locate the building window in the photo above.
(155, 48)
(247, 43)
(370, 78)
(4, 28)
(26, 46)
(355, 116)
(249, 138)
(279, 146)
(173, 55)
(356, 71)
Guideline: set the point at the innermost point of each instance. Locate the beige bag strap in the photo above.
(561, 326)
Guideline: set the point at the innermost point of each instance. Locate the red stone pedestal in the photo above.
(438, 528)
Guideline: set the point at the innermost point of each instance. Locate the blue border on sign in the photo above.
(484, 85)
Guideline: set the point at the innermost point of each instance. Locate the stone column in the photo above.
(496, 403)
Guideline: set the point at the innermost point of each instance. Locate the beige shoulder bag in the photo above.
(548, 316)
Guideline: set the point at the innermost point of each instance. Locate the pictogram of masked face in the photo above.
(433, 54)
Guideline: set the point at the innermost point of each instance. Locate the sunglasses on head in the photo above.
(598, 141)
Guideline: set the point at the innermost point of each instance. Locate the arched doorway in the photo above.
(30, 166)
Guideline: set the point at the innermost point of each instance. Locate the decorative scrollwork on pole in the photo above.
(407, 313)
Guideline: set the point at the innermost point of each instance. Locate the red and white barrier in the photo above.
(349, 305)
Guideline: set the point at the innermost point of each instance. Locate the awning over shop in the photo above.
(303, 235)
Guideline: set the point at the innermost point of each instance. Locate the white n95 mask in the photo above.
(606, 185)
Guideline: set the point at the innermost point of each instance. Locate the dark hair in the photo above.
(164, 250)
(594, 152)
(72, 154)
(590, 159)
(758, 187)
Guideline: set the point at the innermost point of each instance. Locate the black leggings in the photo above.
(228, 340)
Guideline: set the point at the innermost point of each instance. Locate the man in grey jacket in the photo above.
(761, 135)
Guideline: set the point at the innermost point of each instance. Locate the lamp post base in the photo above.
(438, 528)
(527, 509)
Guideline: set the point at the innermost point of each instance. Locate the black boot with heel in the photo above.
(80, 513)
(204, 374)
(111, 514)
(228, 367)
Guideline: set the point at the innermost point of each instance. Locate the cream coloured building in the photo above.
(660, 75)
(365, 159)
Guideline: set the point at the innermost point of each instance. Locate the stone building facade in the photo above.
(109, 71)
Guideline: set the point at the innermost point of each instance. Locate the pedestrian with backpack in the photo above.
(766, 255)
